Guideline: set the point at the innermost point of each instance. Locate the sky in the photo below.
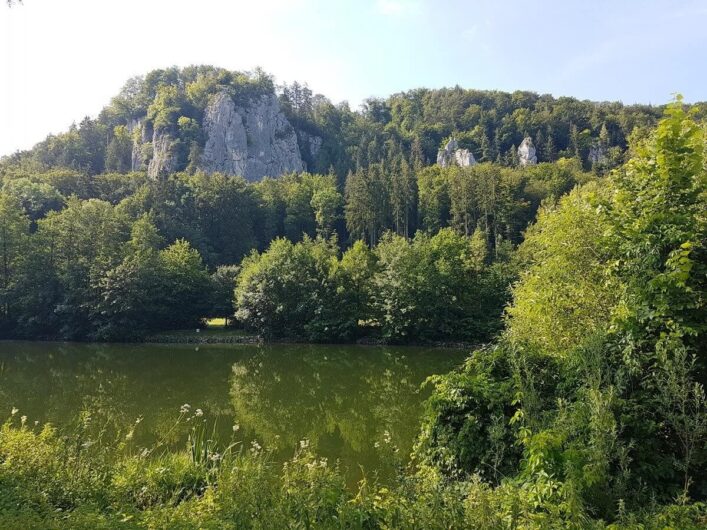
(61, 60)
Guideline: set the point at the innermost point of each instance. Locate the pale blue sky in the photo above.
(63, 59)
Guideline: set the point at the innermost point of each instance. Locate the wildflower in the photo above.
(15, 410)
(377, 445)
(23, 419)
(304, 444)
(215, 457)
(386, 437)
(129, 436)
(138, 420)
(236, 427)
(185, 408)
(199, 413)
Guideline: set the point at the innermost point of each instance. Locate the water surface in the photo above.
(353, 404)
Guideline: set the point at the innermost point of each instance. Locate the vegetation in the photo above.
(50, 480)
(396, 133)
(592, 402)
(588, 410)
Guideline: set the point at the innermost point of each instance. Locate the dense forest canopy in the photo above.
(587, 411)
(412, 124)
(90, 233)
(582, 275)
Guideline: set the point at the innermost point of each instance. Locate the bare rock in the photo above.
(164, 158)
(141, 144)
(253, 141)
(597, 153)
(526, 152)
(452, 155)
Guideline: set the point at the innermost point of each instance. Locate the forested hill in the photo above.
(159, 123)
(407, 213)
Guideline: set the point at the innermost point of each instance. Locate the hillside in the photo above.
(202, 117)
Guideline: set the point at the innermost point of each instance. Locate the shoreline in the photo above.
(222, 337)
(216, 337)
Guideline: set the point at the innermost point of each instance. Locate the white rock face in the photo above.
(526, 153)
(313, 143)
(140, 138)
(164, 159)
(253, 141)
(452, 155)
(464, 158)
(597, 153)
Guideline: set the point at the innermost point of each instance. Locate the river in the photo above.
(359, 406)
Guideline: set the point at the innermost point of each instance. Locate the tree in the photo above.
(14, 240)
(602, 369)
(281, 292)
(360, 217)
(223, 282)
(37, 198)
(131, 294)
(120, 150)
(185, 286)
(427, 288)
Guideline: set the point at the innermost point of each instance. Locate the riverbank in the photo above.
(222, 335)
(203, 336)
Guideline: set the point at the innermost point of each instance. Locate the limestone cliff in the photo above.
(451, 154)
(526, 152)
(597, 153)
(253, 141)
(164, 157)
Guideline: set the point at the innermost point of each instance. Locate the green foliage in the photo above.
(120, 150)
(52, 481)
(280, 291)
(466, 426)
(603, 361)
(37, 198)
(567, 290)
(431, 288)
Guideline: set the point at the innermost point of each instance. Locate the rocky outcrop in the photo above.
(526, 152)
(141, 144)
(452, 155)
(253, 141)
(464, 158)
(597, 153)
(311, 142)
(164, 158)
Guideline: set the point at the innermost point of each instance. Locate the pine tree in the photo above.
(604, 136)
(417, 155)
(574, 141)
(550, 150)
(487, 154)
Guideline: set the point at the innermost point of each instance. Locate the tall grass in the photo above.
(50, 479)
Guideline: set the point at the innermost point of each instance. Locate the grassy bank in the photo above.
(52, 480)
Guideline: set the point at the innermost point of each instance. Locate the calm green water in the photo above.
(343, 399)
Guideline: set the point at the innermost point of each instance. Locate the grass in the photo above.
(56, 481)
(214, 332)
